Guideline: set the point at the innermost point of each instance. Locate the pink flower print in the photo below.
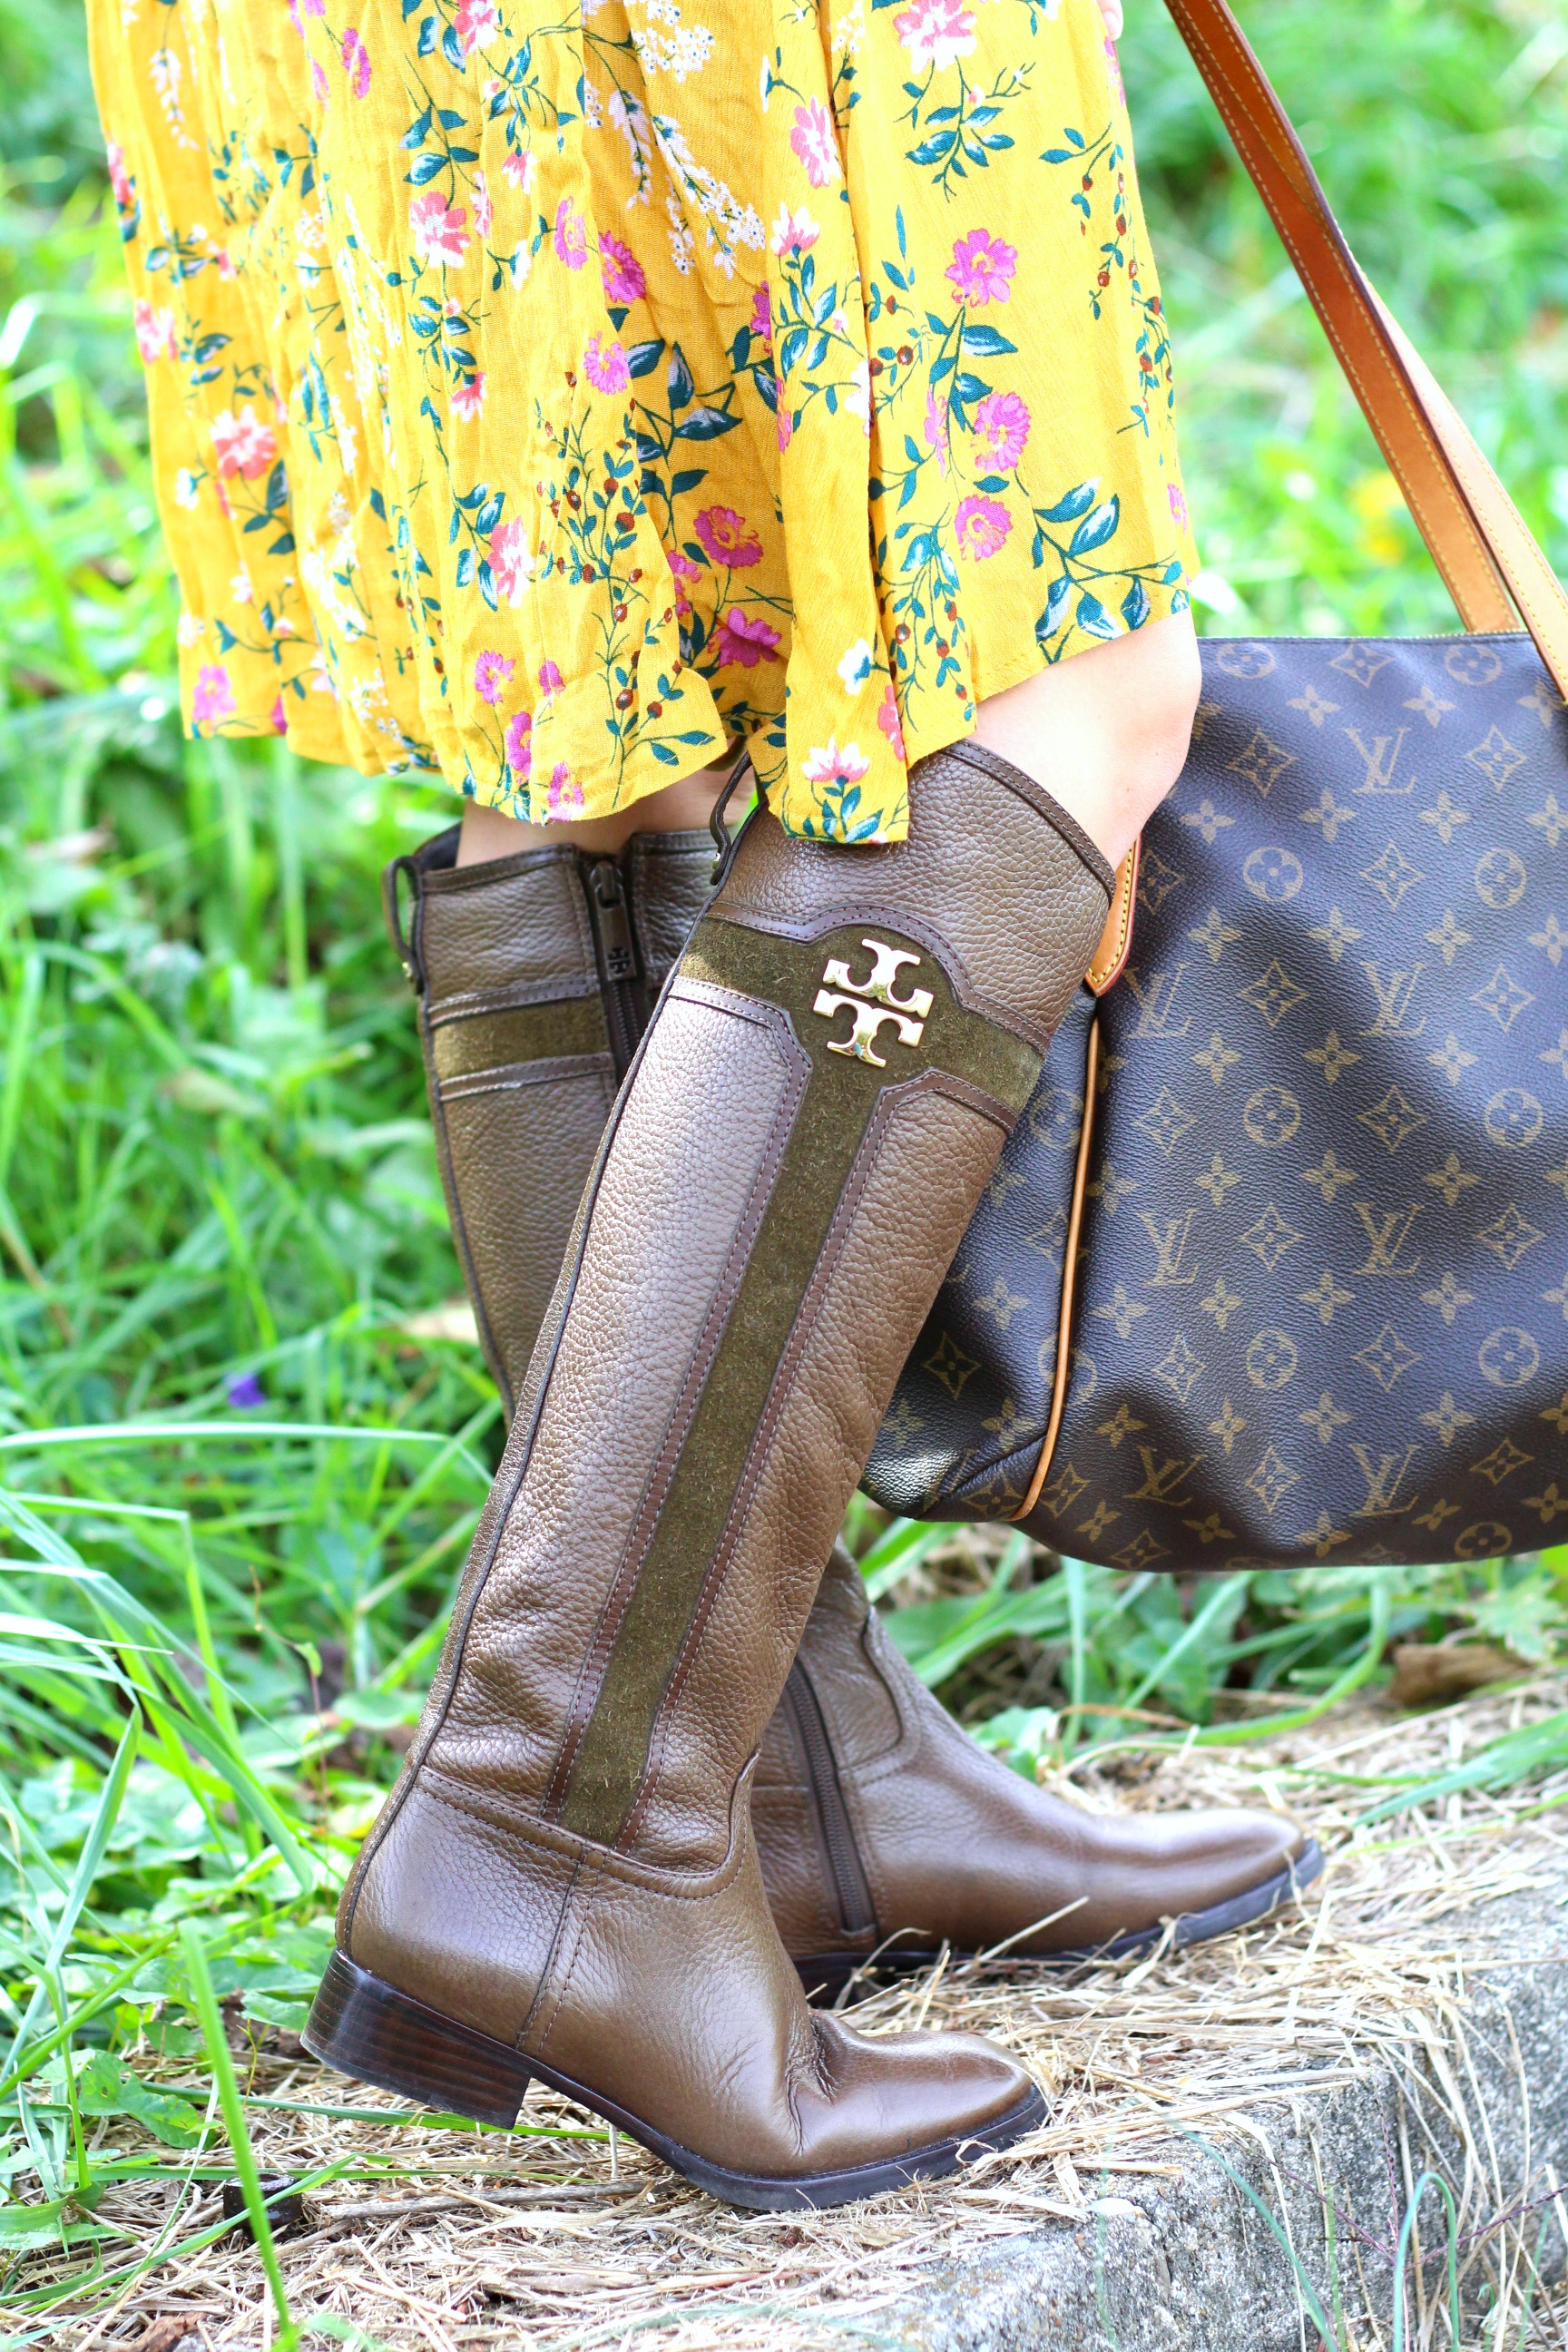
(482, 206)
(468, 395)
(154, 332)
(887, 720)
(784, 418)
(511, 561)
(570, 235)
(682, 566)
(624, 279)
(520, 170)
(793, 233)
(814, 142)
(245, 446)
(746, 639)
(225, 262)
(1178, 505)
(936, 427)
(548, 677)
(477, 22)
(605, 365)
(980, 525)
(520, 745)
(565, 795)
(441, 235)
(491, 672)
(763, 316)
(829, 765)
(1113, 66)
(1001, 430)
(981, 268)
(728, 537)
(279, 717)
(120, 179)
(213, 697)
(356, 63)
(936, 32)
(318, 81)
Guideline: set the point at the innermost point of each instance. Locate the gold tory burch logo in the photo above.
(873, 1002)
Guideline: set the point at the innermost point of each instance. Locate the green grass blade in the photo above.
(211, 2020)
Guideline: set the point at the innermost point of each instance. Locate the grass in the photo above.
(236, 1490)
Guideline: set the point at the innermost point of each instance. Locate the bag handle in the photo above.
(1488, 558)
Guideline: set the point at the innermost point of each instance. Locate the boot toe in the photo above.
(1229, 1852)
(901, 2093)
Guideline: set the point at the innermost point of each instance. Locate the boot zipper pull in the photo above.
(612, 920)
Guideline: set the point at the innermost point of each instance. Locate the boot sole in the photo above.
(365, 2028)
(826, 1974)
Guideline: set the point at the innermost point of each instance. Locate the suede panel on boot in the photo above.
(795, 1158)
(819, 1851)
(715, 1424)
(666, 1996)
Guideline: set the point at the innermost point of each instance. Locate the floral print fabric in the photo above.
(553, 396)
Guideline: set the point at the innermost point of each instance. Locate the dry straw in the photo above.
(566, 2240)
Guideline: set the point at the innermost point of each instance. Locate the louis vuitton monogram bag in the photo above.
(1274, 1268)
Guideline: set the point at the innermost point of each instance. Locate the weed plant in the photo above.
(235, 1489)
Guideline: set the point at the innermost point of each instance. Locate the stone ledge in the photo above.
(1187, 2263)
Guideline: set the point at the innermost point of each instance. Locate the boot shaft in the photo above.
(823, 1094)
(535, 976)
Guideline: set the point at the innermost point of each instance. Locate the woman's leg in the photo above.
(681, 807)
(1106, 732)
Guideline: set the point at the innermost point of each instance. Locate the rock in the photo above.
(1190, 2263)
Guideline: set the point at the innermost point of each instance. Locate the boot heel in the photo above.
(365, 2028)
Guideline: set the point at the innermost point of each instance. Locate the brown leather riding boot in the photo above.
(880, 1826)
(535, 977)
(564, 1884)
(883, 1828)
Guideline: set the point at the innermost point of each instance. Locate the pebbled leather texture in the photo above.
(643, 1962)
(957, 1848)
(518, 1057)
(992, 1842)
(1320, 1307)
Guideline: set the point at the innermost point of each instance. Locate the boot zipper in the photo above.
(618, 957)
(855, 1913)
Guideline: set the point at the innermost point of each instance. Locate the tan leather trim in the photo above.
(1116, 940)
(1069, 1280)
(1486, 554)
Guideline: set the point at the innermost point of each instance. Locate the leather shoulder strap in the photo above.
(1494, 570)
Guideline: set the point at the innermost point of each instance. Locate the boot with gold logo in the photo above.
(563, 1885)
(881, 1827)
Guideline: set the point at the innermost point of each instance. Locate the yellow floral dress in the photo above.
(549, 396)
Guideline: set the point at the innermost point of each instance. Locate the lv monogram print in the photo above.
(1323, 1302)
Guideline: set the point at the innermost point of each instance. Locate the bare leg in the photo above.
(680, 807)
(1106, 732)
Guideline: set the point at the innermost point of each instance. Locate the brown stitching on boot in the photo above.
(888, 1103)
(487, 1541)
(633, 1556)
(598, 1788)
(512, 1818)
(971, 754)
(512, 1074)
(568, 1920)
(600, 1864)
(883, 917)
(518, 1033)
